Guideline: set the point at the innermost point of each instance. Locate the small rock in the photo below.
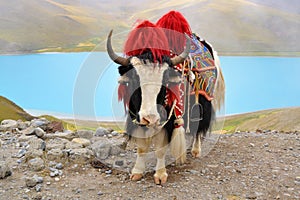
(25, 138)
(114, 133)
(100, 193)
(83, 141)
(39, 132)
(55, 126)
(101, 149)
(55, 155)
(119, 163)
(4, 170)
(23, 125)
(52, 174)
(68, 135)
(87, 134)
(266, 145)
(28, 131)
(101, 132)
(108, 172)
(33, 181)
(73, 145)
(78, 191)
(36, 164)
(59, 166)
(251, 145)
(37, 143)
(38, 188)
(81, 155)
(31, 154)
(56, 143)
(8, 124)
(20, 153)
(42, 123)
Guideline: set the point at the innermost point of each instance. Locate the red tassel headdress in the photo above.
(175, 26)
(146, 36)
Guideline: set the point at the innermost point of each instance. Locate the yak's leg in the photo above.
(142, 143)
(161, 143)
(196, 149)
(140, 166)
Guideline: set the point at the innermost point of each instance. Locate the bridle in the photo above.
(159, 126)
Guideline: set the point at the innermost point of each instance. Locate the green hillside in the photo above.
(236, 27)
(286, 119)
(9, 110)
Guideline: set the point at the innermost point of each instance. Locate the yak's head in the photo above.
(146, 80)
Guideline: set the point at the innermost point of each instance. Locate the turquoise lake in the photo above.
(85, 84)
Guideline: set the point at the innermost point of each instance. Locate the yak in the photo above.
(160, 107)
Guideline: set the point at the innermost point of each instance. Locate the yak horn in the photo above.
(179, 59)
(117, 59)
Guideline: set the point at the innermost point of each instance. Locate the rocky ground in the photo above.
(41, 163)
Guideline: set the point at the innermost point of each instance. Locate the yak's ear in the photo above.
(124, 69)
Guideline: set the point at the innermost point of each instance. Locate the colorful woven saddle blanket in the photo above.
(202, 64)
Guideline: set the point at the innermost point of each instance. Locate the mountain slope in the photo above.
(286, 119)
(233, 27)
(9, 110)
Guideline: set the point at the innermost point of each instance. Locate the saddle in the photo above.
(201, 73)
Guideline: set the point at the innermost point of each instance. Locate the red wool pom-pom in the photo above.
(146, 36)
(175, 25)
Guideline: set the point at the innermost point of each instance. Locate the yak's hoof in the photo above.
(136, 177)
(196, 153)
(160, 179)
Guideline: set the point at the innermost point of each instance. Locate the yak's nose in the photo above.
(149, 119)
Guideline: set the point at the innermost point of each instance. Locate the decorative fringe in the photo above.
(123, 95)
(146, 37)
(175, 25)
(178, 145)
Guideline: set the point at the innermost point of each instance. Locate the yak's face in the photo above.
(147, 85)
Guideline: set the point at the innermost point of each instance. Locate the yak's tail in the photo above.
(219, 94)
(178, 145)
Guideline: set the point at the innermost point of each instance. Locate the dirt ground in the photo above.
(239, 166)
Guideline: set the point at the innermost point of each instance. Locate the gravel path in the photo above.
(240, 166)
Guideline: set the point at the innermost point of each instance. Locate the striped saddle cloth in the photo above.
(202, 64)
